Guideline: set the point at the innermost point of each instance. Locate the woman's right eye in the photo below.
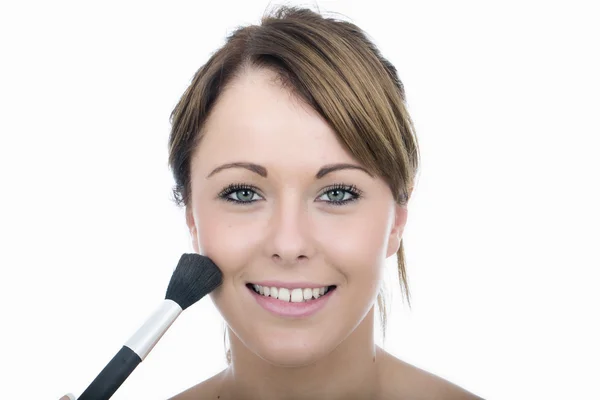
(240, 194)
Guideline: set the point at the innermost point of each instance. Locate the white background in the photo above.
(502, 236)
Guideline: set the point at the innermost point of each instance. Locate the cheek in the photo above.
(227, 238)
(354, 243)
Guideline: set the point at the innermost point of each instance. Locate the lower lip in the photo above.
(289, 309)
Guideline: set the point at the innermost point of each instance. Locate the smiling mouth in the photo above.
(298, 295)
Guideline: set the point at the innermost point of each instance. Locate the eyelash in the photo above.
(236, 187)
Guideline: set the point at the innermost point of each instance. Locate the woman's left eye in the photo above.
(341, 194)
(338, 194)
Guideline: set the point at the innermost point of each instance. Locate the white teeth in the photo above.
(294, 295)
(297, 296)
(308, 293)
(284, 294)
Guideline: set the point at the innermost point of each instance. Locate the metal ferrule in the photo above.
(146, 337)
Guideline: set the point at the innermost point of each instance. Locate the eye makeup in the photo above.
(337, 188)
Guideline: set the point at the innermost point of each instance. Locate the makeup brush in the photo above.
(194, 277)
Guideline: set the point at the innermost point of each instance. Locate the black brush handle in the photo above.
(112, 376)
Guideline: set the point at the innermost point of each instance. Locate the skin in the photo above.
(293, 232)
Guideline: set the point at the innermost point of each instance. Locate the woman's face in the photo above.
(282, 223)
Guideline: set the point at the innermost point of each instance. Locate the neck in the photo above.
(351, 371)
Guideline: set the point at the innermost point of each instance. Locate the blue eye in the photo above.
(339, 192)
(236, 189)
(244, 194)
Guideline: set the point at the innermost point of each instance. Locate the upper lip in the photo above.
(290, 285)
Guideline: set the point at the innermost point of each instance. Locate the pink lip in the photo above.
(291, 285)
(289, 309)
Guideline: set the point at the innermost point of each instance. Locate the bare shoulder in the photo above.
(403, 380)
(208, 389)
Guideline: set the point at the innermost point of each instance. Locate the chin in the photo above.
(290, 346)
(292, 356)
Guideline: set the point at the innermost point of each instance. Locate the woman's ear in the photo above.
(191, 224)
(400, 216)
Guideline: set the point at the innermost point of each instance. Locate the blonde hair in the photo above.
(334, 68)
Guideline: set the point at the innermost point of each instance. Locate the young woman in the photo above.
(294, 158)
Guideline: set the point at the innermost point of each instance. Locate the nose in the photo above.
(289, 241)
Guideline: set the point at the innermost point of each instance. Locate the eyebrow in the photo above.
(262, 171)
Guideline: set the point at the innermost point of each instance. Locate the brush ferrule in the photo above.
(146, 337)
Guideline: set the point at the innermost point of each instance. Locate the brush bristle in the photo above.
(194, 277)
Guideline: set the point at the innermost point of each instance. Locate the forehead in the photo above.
(256, 119)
